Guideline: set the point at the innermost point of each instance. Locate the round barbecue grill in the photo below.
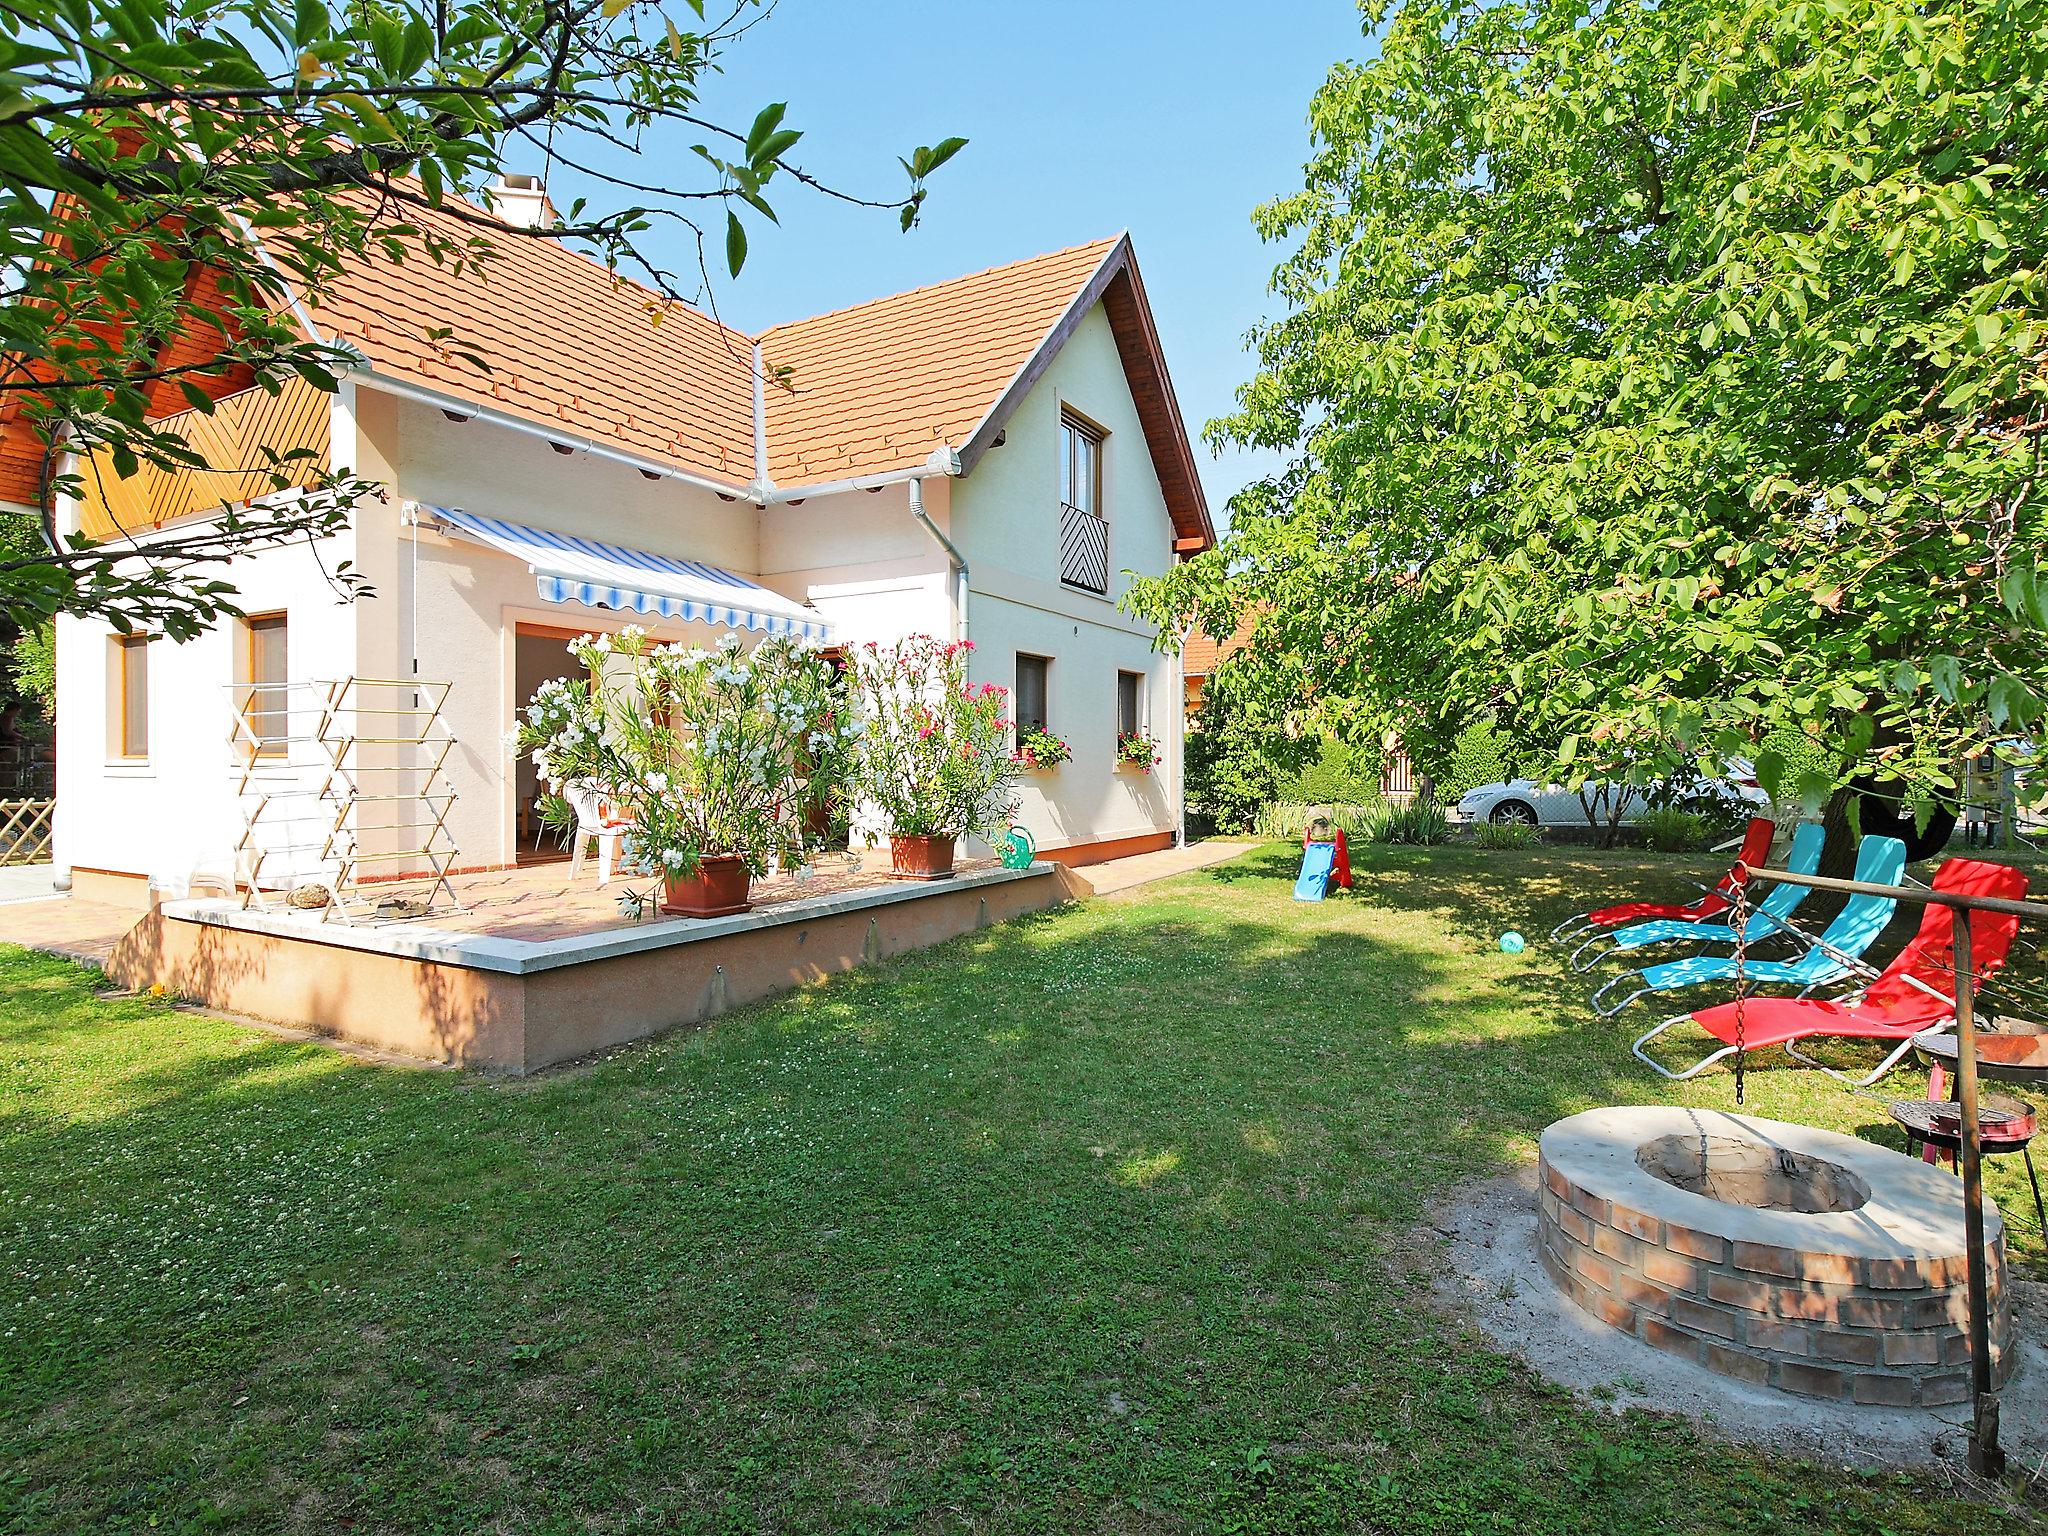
(2004, 1125)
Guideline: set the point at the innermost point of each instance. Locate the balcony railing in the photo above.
(1084, 549)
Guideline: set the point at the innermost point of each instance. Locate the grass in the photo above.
(1101, 1221)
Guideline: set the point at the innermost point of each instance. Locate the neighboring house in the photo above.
(1198, 659)
(988, 456)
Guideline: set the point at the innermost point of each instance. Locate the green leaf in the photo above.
(2010, 702)
(766, 121)
(735, 243)
(309, 23)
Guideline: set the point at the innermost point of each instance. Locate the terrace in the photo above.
(533, 969)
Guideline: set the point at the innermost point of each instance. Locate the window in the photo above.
(1080, 466)
(1030, 700)
(266, 703)
(1128, 722)
(131, 696)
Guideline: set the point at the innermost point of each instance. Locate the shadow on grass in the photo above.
(1101, 1218)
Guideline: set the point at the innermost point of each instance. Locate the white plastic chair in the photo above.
(591, 806)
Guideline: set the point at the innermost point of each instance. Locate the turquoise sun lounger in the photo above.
(1835, 954)
(1803, 858)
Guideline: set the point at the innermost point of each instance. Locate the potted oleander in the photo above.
(934, 751)
(718, 757)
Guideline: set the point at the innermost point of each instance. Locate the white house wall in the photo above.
(469, 600)
(863, 561)
(1006, 521)
(177, 811)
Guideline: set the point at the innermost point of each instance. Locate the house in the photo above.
(1198, 660)
(990, 457)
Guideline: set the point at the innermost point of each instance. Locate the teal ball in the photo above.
(1512, 943)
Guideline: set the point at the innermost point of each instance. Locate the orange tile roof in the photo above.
(1199, 656)
(878, 386)
(569, 344)
(871, 389)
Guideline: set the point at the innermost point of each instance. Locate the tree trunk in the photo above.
(1838, 857)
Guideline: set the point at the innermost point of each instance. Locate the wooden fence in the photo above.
(26, 831)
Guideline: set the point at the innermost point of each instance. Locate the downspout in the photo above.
(1180, 737)
(959, 561)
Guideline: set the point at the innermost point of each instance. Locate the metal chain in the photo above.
(1739, 922)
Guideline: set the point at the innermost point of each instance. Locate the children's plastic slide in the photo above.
(1317, 859)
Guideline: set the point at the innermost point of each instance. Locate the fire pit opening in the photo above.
(1738, 1171)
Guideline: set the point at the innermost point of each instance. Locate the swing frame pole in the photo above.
(1987, 1458)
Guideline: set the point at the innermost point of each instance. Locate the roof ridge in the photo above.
(948, 282)
(537, 243)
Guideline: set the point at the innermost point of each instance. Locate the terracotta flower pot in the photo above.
(921, 858)
(718, 888)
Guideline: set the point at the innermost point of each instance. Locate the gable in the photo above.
(879, 386)
(21, 444)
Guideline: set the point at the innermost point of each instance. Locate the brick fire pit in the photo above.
(1778, 1254)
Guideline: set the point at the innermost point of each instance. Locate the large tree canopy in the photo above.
(143, 141)
(1658, 376)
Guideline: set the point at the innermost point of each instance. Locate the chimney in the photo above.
(523, 201)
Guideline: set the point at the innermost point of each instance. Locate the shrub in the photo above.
(1505, 835)
(745, 746)
(1235, 759)
(1287, 820)
(935, 749)
(35, 668)
(1671, 830)
(1419, 822)
(1340, 775)
(1479, 756)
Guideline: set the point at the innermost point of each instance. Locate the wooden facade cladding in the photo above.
(232, 440)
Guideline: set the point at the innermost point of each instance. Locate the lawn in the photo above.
(1103, 1220)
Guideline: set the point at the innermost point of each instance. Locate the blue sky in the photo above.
(1169, 118)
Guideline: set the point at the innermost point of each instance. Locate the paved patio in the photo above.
(26, 882)
(1143, 868)
(37, 917)
(538, 902)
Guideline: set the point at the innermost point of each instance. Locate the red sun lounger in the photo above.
(1915, 992)
(1756, 852)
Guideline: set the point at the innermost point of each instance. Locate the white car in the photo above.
(1531, 804)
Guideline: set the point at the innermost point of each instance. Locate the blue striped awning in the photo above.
(569, 569)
